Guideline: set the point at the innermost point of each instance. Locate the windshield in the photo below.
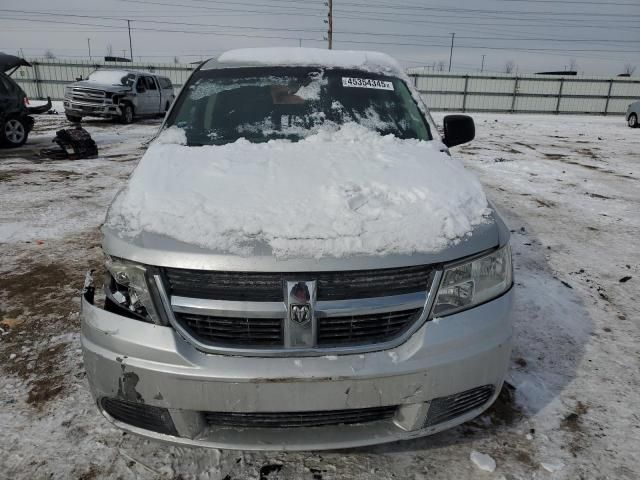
(262, 104)
(112, 77)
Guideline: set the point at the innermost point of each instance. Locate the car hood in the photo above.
(347, 196)
(101, 86)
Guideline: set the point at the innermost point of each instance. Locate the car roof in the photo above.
(374, 62)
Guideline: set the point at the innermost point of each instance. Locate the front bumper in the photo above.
(152, 365)
(91, 109)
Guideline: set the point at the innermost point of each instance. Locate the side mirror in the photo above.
(458, 129)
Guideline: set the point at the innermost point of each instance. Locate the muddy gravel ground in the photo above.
(569, 188)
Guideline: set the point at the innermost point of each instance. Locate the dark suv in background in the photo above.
(15, 122)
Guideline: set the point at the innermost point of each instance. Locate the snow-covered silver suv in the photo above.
(297, 262)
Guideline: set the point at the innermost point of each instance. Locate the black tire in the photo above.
(13, 132)
(74, 118)
(127, 113)
(632, 121)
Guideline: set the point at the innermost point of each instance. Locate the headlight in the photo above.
(477, 281)
(126, 285)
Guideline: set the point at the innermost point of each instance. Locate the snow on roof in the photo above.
(315, 57)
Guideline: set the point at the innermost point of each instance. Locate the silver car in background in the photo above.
(118, 94)
(633, 115)
(215, 349)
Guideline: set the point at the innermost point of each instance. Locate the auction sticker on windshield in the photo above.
(366, 83)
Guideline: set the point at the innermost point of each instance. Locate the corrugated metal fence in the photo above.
(476, 92)
(526, 93)
(47, 78)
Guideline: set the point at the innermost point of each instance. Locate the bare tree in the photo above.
(441, 65)
(509, 66)
(109, 50)
(49, 55)
(629, 69)
(573, 65)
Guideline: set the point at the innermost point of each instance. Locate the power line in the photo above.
(144, 29)
(345, 32)
(561, 2)
(485, 11)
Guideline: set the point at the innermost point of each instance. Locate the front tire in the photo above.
(633, 121)
(14, 132)
(74, 118)
(127, 114)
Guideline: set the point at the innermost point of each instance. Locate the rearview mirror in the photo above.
(458, 129)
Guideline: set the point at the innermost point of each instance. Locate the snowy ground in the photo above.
(567, 186)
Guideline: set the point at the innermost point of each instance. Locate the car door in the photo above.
(7, 98)
(153, 95)
(142, 103)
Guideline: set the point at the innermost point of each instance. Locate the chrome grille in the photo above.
(364, 329)
(268, 287)
(444, 409)
(234, 331)
(250, 313)
(298, 419)
(87, 95)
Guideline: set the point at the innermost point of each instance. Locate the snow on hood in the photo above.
(336, 193)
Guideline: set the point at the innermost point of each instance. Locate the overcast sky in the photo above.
(599, 37)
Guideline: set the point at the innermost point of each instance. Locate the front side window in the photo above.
(151, 83)
(262, 104)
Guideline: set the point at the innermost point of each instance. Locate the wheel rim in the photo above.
(128, 114)
(632, 120)
(14, 131)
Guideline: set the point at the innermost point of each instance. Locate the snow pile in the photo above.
(107, 77)
(341, 192)
(172, 135)
(483, 461)
(292, 56)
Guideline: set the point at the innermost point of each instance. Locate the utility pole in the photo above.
(130, 45)
(330, 21)
(482, 67)
(89, 44)
(299, 42)
(453, 35)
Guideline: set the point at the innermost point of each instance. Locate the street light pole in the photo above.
(330, 32)
(89, 44)
(482, 67)
(453, 35)
(130, 44)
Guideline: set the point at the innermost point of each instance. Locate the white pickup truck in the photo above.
(118, 94)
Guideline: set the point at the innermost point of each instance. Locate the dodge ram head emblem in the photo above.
(300, 313)
(299, 303)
